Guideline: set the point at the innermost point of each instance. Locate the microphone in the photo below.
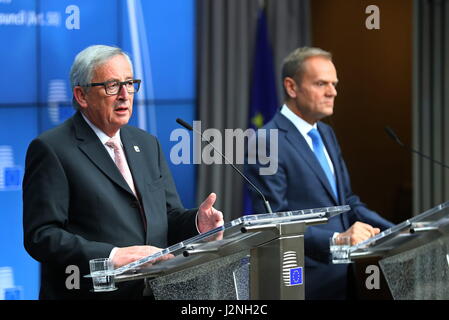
(394, 137)
(190, 128)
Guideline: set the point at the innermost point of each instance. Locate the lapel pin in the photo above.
(136, 148)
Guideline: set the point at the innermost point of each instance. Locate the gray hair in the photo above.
(293, 65)
(87, 61)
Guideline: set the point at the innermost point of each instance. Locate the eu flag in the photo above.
(263, 98)
(295, 276)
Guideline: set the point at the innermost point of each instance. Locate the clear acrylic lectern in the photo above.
(414, 255)
(253, 257)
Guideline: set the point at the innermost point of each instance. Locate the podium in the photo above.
(253, 257)
(414, 255)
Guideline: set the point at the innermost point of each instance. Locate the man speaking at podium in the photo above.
(312, 173)
(95, 187)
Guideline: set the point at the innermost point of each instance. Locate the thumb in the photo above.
(209, 202)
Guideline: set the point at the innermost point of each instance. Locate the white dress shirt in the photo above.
(304, 127)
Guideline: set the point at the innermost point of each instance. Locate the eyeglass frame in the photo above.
(121, 84)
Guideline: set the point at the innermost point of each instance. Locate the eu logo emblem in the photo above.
(296, 276)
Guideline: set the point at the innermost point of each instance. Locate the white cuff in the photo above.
(196, 223)
(113, 251)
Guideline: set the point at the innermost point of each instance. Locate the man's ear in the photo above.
(290, 87)
(80, 96)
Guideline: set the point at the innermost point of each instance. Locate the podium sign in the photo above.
(253, 257)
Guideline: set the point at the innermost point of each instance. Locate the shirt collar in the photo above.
(100, 134)
(303, 126)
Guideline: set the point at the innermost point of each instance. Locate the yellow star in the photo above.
(257, 120)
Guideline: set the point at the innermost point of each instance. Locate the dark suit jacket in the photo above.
(300, 183)
(77, 206)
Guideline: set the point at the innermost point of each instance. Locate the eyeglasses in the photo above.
(113, 87)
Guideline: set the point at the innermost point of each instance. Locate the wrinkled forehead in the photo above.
(115, 68)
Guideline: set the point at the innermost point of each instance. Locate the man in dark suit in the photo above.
(311, 172)
(96, 187)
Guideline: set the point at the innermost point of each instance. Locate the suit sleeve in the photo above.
(359, 210)
(46, 198)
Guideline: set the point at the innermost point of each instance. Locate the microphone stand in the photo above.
(190, 128)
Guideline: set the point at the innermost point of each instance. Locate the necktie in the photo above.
(318, 149)
(120, 161)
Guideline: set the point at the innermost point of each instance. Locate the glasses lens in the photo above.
(113, 87)
(136, 85)
(130, 86)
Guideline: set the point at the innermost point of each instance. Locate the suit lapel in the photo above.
(134, 158)
(333, 154)
(297, 141)
(91, 146)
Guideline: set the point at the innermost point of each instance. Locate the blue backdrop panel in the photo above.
(18, 127)
(183, 174)
(166, 114)
(165, 32)
(59, 46)
(18, 58)
(42, 39)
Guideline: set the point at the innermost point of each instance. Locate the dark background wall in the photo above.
(375, 89)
